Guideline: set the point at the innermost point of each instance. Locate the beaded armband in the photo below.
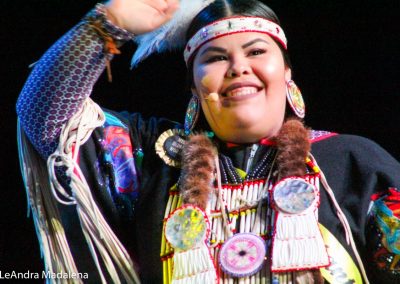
(112, 35)
(99, 15)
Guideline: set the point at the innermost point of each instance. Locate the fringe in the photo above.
(45, 192)
(54, 246)
(194, 266)
(297, 241)
(299, 247)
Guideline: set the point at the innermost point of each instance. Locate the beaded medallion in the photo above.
(186, 228)
(294, 195)
(169, 146)
(242, 255)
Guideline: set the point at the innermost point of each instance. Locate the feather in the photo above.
(171, 35)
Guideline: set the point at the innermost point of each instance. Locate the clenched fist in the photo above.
(141, 16)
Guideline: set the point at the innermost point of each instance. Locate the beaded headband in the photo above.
(232, 25)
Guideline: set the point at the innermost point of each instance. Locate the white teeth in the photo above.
(241, 92)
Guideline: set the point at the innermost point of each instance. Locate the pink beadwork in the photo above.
(242, 255)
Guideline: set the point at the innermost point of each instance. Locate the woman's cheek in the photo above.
(271, 70)
(206, 81)
(202, 82)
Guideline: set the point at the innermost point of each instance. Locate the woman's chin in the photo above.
(246, 127)
(244, 136)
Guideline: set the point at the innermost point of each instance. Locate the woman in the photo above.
(239, 202)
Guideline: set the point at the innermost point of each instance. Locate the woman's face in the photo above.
(246, 76)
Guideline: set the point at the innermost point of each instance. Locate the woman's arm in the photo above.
(64, 77)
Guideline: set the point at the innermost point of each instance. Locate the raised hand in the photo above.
(141, 16)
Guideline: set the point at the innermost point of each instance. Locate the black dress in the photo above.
(356, 169)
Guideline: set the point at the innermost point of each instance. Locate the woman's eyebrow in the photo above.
(220, 49)
(253, 42)
(213, 48)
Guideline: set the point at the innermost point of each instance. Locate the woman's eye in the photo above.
(216, 58)
(256, 52)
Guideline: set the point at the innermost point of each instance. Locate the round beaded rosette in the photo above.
(294, 195)
(242, 255)
(186, 228)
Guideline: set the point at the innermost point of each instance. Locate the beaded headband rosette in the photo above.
(233, 25)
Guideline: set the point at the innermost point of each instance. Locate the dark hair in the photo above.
(225, 8)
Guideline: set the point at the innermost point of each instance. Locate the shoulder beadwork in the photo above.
(318, 135)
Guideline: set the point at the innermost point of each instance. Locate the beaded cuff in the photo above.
(112, 35)
(98, 14)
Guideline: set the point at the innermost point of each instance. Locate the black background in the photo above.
(344, 55)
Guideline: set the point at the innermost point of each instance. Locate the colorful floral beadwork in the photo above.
(242, 255)
(186, 228)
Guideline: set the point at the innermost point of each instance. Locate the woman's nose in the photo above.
(237, 69)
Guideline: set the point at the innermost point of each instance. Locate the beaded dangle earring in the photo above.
(295, 99)
(192, 114)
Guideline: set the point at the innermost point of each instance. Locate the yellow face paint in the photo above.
(205, 81)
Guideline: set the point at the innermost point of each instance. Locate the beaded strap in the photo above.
(99, 14)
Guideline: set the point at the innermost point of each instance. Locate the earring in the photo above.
(295, 99)
(192, 113)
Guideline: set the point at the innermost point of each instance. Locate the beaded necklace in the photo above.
(290, 209)
(229, 174)
(243, 208)
(246, 204)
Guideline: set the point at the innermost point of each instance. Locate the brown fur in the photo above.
(293, 146)
(198, 169)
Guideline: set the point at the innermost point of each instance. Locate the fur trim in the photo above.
(293, 147)
(198, 169)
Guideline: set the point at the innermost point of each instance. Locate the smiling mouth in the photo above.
(239, 92)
